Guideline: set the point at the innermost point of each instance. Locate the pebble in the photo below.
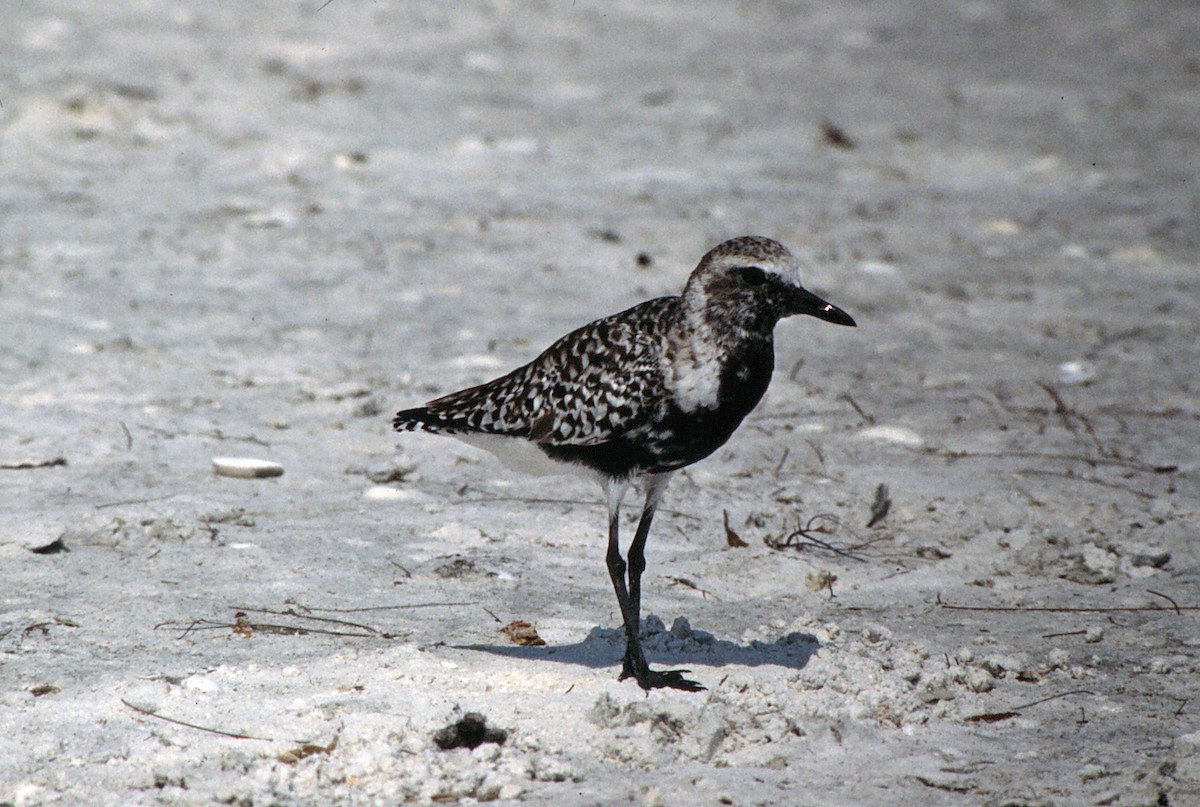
(510, 791)
(29, 793)
(383, 473)
(1076, 372)
(1002, 226)
(1188, 744)
(978, 679)
(878, 268)
(386, 493)
(246, 467)
(200, 683)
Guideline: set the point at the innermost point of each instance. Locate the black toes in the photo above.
(671, 679)
(660, 679)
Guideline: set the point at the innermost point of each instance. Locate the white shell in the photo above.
(246, 467)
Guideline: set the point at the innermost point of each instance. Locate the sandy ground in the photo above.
(257, 230)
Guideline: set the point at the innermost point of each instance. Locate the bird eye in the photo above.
(752, 275)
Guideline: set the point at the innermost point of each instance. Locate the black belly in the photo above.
(675, 438)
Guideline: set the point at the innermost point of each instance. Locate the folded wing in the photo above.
(589, 387)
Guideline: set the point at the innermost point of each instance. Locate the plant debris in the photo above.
(52, 548)
(294, 755)
(879, 507)
(30, 464)
(991, 717)
(802, 537)
(470, 732)
(731, 537)
(836, 136)
(520, 632)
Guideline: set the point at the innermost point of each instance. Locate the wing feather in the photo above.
(589, 387)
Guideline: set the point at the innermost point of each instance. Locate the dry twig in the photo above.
(1068, 609)
(683, 581)
(854, 405)
(952, 454)
(995, 717)
(237, 735)
(806, 533)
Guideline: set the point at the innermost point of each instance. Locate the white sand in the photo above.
(233, 229)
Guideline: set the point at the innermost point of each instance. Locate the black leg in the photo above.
(634, 664)
(616, 571)
(655, 487)
(637, 556)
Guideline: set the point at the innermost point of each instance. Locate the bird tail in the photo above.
(419, 419)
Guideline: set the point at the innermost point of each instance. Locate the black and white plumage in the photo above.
(633, 397)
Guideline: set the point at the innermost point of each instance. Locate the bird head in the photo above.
(754, 282)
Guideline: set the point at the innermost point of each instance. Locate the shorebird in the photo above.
(633, 397)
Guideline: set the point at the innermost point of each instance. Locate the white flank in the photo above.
(524, 456)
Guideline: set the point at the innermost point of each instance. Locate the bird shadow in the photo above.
(680, 644)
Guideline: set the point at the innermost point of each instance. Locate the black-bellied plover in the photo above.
(634, 397)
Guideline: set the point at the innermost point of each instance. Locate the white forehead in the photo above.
(773, 258)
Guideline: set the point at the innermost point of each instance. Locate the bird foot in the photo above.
(649, 679)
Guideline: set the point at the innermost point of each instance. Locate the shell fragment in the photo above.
(246, 467)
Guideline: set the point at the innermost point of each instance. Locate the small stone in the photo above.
(385, 472)
(1187, 745)
(654, 798)
(350, 159)
(386, 493)
(1002, 666)
(167, 529)
(509, 791)
(1145, 556)
(681, 628)
(933, 694)
(893, 434)
(978, 679)
(200, 683)
(873, 634)
(1076, 372)
(1002, 227)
